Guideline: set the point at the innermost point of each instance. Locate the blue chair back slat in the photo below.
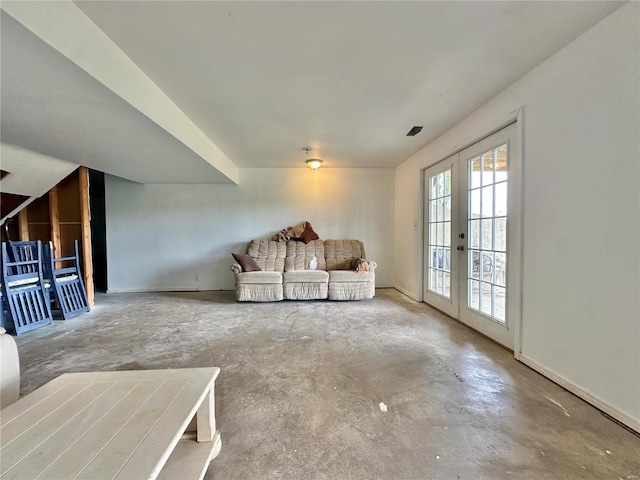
(66, 271)
(17, 278)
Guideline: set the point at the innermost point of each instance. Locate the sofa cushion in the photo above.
(258, 277)
(308, 235)
(339, 253)
(247, 263)
(10, 378)
(269, 255)
(349, 276)
(300, 254)
(306, 276)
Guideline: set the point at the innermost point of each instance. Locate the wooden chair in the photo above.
(66, 279)
(29, 251)
(23, 287)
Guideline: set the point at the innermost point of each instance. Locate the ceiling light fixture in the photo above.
(312, 163)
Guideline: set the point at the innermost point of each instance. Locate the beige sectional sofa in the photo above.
(286, 272)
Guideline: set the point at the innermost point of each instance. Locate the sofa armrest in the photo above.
(236, 268)
(10, 378)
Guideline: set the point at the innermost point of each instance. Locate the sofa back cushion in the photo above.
(339, 253)
(299, 254)
(269, 255)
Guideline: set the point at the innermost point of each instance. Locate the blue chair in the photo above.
(23, 287)
(26, 251)
(66, 279)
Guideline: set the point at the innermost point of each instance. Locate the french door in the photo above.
(441, 212)
(467, 238)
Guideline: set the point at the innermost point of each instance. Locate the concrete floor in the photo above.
(302, 383)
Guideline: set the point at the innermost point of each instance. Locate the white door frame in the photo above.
(516, 205)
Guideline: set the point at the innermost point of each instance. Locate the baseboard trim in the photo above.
(405, 292)
(609, 410)
(151, 290)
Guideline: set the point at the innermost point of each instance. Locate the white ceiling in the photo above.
(263, 79)
(51, 106)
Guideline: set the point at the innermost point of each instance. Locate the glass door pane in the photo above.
(439, 234)
(441, 222)
(487, 227)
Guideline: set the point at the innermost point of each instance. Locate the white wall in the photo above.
(161, 237)
(581, 264)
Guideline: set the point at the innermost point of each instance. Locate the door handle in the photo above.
(460, 248)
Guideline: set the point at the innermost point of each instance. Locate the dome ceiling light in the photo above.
(312, 163)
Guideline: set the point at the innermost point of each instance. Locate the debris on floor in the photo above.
(555, 402)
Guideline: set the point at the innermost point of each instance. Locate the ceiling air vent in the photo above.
(414, 131)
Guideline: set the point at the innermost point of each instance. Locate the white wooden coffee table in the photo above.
(113, 425)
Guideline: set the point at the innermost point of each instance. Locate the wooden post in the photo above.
(206, 418)
(85, 215)
(23, 224)
(54, 218)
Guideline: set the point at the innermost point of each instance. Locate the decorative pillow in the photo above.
(308, 235)
(360, 265)
(247, 263)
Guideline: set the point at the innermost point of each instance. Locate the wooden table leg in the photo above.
(206, 418)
